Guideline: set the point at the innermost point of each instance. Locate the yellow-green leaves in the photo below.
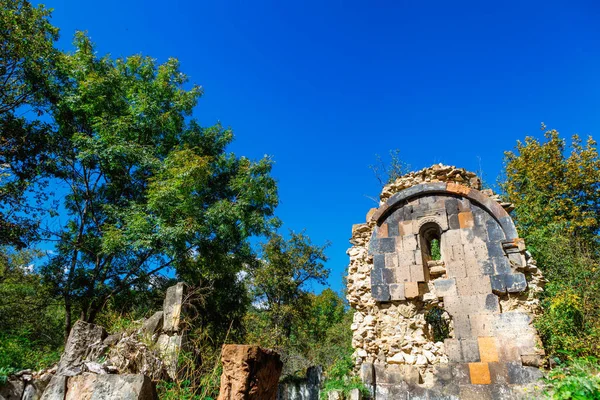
(552, 190)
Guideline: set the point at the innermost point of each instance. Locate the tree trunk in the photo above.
(67, 317)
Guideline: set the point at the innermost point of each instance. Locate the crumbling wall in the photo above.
(484, 286)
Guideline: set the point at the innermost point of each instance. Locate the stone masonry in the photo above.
(484, 286)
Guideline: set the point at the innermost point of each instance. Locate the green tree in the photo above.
(551, 191)
(30, 319)
(557, 207)
(147, 188)
(26, 60)
(280, 278)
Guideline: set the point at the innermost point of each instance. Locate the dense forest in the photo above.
(111, 191)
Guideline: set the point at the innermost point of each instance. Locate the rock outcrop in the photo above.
(98, 366)
(249, 373)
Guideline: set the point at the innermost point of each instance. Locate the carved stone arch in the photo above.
(488, 204)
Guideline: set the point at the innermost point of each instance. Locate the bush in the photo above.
(339, 377)
(345, 386)
(570, 322)
(578, 379)
(19, 351)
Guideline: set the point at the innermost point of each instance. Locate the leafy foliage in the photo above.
(440, 327)
(148, 189)
(552, 192)
(557, 201)
(30, 333)
(578, 380)
(26, 58)
(279, 281)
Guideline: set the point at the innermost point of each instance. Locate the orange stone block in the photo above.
(382, 231)
(480, 373)
(411, 290)
(488, 349)
(465, 220)
(458, 189)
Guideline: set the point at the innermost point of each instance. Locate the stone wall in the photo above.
(483, 289)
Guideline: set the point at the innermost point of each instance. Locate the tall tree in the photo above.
(552, 191)
(26, 60)
(556, 194)
(281, 277)
(146, 188)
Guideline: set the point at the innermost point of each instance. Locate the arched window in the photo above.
(430, 236)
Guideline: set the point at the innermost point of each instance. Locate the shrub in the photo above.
(578, 379)
(18, 351)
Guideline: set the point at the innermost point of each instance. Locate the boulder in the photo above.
(249, 372)
(169, 348)
(172, 306)
(153, 324)
(12, 390)
(56, 389)
(84, 343)
(107, 387)
(134, 357)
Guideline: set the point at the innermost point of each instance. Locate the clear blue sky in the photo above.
(323, 86)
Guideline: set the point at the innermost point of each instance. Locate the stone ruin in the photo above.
(444, 292)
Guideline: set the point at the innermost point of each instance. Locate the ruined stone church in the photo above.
(444, 293)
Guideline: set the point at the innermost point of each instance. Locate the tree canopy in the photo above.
(146, 188)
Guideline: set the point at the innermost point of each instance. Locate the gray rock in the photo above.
(11, 390)
(112, 339)
(169, 348)
(153, 324)
(172, 306)
(32, 392)
(335, 395)
(84, 343)
(94, 367)
(109, 387)
(134, 357)
(56, 389)
(354, 395)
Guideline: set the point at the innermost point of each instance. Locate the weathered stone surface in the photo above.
(12, 390)
(354, 394)
(306, 389)
(108, 387)
(335, 395)
(153, 324)
(481, 259)
(518, 374)
(134, 357)
(249, 372)
(56, 389)
(169, 348)
(515, 283)
(172, 307)
(85, 343)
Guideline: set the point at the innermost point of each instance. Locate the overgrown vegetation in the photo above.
(388, 171)
(578, 379)
(557, 209)
(149, 197)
